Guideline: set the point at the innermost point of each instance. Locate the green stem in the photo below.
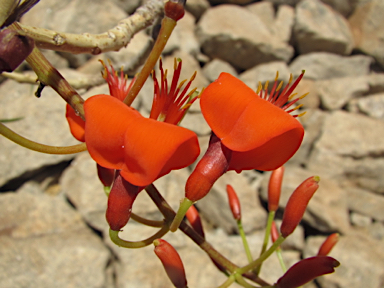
(263, 257)
(184, 206)
(114, 235)
(281, 260)
(167, 26)
(242, 282)
(48, 75)
(244, 239)
(8, 133)
(228, 282)
(147, 222)
(271, 216)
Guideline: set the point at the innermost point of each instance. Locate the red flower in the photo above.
(255, 126)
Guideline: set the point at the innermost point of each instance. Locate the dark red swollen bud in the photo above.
(120, 201)
(234, 202)
(213, 164)
(106, 175)
(306, 270)
(195, 220)
(328, 244)
(14, 48)
(274, 188)
(297, 204)
(172, 262)
(174, 9)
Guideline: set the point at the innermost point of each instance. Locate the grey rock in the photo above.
(319, 28)
(344, 7)
(43, 120)
(322, 65)
(335, 93)
(366, 203)
(295, 241)
(360, 220)
(367, 28)
(195, 121)
(224, 27)
(361, 259)
(128, 6)
(371, 105)
(214, 68)
(215, 208)
(197, 7)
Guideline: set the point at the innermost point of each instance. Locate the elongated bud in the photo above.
(297, 204)
(174, 9)
(194, 219)
(14, 48)
(234, 202)
(274, 232)
(274, 188)
(120, 201)
(306, 270)
(328, 244)
(172, 262)
(213, 164)
(106, 175)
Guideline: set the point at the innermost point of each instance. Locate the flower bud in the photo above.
(14, 48)
(120, 201)
(106, 175)
(328, 244)
(195, 220)
(174, 10)
(274, 232)
(213, 164)
(234, 202)
(274, 188)
(297, 204)
(172, 263)
(306, 270)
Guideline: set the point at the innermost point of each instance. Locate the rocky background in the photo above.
(52, 227)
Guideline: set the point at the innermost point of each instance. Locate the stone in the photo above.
(214, 68)
(226, 27)
(319, 28)
(371, 105)
(344, 7)
(360, 220)
(367, 28)
(323, 65)
(336, 93)
(361, 258)
(128, 6)
(42, 120)
(366, 203)
(197, 7)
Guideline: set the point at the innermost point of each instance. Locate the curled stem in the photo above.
(31, 145)
(148, 222)
(114, 235)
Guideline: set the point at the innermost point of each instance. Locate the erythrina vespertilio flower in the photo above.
(254, 129)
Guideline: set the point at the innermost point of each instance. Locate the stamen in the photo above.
(291, 97)
(302, 96)
(259, 88)
(193, 76)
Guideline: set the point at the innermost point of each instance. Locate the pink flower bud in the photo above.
(306, 270)
(174, 10)
(213, 164)
(195, 220)
(274, 188)
(297, 204)
(328, 244)
(234, 202)
(106, 175)
(120, 201)
(172, 263)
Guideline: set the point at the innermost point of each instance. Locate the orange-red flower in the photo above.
(254, 125)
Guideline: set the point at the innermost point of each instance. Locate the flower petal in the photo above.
(107, 119)
(76, 124)
(153, 149)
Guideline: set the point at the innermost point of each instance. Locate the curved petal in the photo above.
(76, 124)
(239, 117)
(107, 119)
(272, 154)
(153, 149)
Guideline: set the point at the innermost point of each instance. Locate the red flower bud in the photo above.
(106, 175)
(328, 244)
(174, 10)
(120, 201)
(306, 270)
(274, 232)
(213, 164)
(274, 188)
(195, 220)
(14, 48)
(172, 263)
(297, 204)
(234, 202)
